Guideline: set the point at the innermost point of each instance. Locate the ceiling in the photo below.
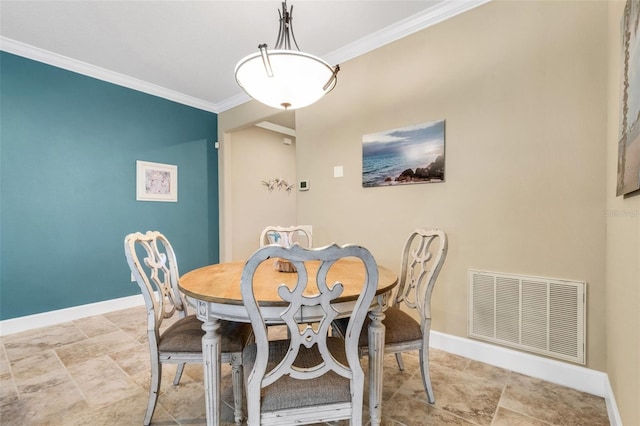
(187, 50)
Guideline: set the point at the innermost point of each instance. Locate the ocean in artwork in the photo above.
(408, 155)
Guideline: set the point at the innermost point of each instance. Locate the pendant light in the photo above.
(285, 78)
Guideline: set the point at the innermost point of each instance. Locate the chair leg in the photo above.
(237, 382)
(179, 370)
(154, 389)
(424, 361)
(426, 376)
(399, 361)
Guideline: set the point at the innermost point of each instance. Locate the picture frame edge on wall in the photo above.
(391, 170)
(156, 182)
(628, 175)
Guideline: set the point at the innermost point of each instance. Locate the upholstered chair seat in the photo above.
(185, 335)
(287, 393)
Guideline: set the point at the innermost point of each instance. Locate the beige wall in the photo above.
(522, 87)
(258, 155)
(623, 254)
(530, 98)
(231, 123)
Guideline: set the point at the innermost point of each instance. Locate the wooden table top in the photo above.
(220, 283)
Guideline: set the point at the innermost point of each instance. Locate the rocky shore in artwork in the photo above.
(434, 172)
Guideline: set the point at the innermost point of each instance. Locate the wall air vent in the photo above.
(540, 315)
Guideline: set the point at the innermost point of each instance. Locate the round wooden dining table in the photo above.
(215, 292)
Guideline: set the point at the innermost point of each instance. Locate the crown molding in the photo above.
(438, 13)
(233, 101)
(64, 62)
(425, 19)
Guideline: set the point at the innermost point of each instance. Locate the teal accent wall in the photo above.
(68, 150)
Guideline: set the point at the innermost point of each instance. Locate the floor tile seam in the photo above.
(113, 348)
(4, 351)
(56, 347)
(395, 421)
(495, 412)
(80, 328)
(398, 390)
(73, 380)
(444, 410)
(114, 324)
(159, 404)
(500, 405)
(528, 416)
(24, 382)
(68, 323)
(466, 368)
(433, 406)
(39, 333)
(6, 357)
(146, 392)
(13, 378)
(137, 388)
(134, 337)
(481, 380)
(71, 345)
(127, 375)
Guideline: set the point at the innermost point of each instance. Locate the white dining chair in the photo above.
(311, 377)
(286, 236)
(422, 259)
(153, 264)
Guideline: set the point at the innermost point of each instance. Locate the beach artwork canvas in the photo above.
(407, 155)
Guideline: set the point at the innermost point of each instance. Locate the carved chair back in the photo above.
(286, 236)
(422, 258)
(310, 354)
(153, 264)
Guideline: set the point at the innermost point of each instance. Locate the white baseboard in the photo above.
(45, 319)
(562, 373)
(612, 407)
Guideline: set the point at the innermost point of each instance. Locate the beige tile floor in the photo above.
(95, 371)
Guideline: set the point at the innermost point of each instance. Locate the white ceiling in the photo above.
(187, 50)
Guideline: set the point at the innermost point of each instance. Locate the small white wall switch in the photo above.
(338, 171)
(216, 145)
(303, 185)
(286, 141)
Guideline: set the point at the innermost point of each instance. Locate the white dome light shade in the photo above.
(298, 79)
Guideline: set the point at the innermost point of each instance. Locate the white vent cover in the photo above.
(541, 315)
